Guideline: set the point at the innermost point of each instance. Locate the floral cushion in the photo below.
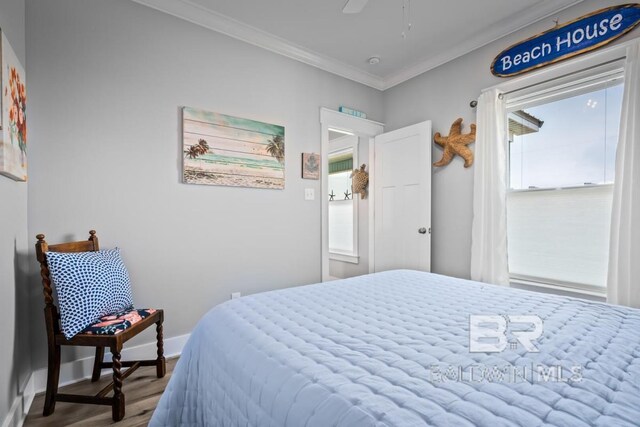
(116, 323)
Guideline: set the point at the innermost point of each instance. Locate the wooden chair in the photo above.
(115, 343)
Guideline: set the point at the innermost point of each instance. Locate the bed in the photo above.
(393, 349)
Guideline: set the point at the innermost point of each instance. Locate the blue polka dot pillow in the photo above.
(89, 285)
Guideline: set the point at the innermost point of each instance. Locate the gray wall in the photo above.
(15, 365)
(106, 81)
(442, 95)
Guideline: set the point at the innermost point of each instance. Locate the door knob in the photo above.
(422, 230)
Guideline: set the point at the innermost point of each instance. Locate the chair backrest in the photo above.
(51, 314)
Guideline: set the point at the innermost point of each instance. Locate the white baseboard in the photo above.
(20, 407)
(81, 369)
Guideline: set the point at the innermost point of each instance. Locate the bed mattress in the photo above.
(393, 349)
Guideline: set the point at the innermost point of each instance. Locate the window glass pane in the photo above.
(341, 230)
(339, 184)
(341, 227)
(568, 142)
(560, 235)
(562, 149)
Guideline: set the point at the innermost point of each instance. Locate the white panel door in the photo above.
(402, 202)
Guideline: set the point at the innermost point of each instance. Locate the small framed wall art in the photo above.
(310, 166)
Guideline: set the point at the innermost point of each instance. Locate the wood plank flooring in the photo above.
(142, 391)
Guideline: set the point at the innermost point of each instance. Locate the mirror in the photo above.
(343, 207)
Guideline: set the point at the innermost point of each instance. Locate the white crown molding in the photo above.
(199, 15)
(491, 34)
(207, 18)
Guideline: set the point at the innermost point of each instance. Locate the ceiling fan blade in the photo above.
(354, 6)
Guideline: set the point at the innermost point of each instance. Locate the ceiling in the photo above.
(318, 33)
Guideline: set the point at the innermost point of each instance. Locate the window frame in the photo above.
(339, 145)
(552, 88)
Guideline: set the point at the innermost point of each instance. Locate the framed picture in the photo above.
(13, 145)
(226, 150)
(310, 165)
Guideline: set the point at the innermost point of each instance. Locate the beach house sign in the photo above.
(565, 41)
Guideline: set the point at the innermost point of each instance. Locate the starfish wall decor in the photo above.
(456, 143)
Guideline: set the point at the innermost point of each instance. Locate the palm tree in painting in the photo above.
(204, 146)
(276, 148)
(196, 150)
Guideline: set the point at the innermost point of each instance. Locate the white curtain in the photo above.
(623, 284)
(489, 233)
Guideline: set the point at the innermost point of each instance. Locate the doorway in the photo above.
(390, 227)
(347, 219)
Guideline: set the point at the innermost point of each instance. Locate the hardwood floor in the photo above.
(142, 391)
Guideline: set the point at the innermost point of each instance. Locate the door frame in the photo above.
(331, 119)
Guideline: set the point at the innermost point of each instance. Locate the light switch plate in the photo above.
(309, 194)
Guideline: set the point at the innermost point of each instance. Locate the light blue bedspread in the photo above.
(393, 349)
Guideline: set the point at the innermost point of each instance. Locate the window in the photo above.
(343, 215)
(562, 144)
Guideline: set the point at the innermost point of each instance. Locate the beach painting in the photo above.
(13, 137)
(226, 150)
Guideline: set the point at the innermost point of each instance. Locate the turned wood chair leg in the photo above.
(97, 363)
(53, 374)
(161, 367)
(117, 408)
